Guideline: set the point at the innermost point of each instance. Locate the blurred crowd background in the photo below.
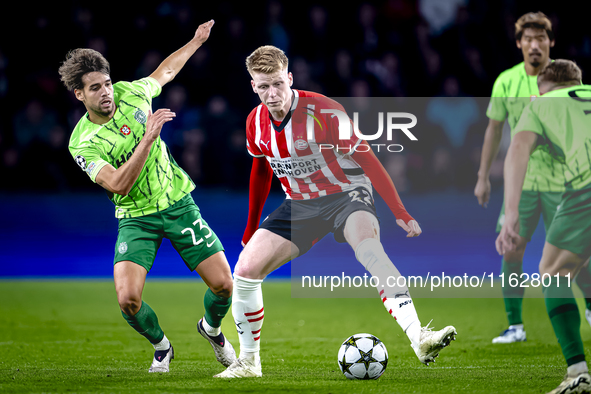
(393, 48)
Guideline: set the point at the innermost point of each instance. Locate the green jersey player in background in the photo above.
(544, 182)
(559, 121)
(117, 143)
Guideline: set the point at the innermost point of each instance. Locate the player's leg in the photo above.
(362, 232)
(202, 251)
(583, 280)
(215, 272)
(551, 204)
(265, 252)
(530, 209)
(563, 310)
(511, 267)
(129, 284)
(137, 243)
(567, 248)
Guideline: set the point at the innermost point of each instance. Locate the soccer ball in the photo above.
(363, 356)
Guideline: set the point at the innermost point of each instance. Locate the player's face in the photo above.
(97, 94)
(274, 90)
(535, 46)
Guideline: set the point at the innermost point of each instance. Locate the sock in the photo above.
(216, 308)
(253, 357)
(577, 369)
(211, 331)
(248, 312)
(513, 296)
(566, 320)
(164, 344)
(145, 322)
(370, 253)
(583, 279)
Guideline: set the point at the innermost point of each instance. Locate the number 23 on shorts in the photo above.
(201, 227)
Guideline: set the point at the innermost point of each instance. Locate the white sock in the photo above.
(252, 357)
(370, 253)
(164, 344)
(211, 331)
(517, 326)
(577, 369)
(248, 312)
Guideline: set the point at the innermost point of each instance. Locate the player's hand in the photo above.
(507, 239)
(155, 122)
(412, 228)
(202, 33)
(482, 191)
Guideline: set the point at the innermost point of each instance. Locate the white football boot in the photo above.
(223, 349)
(580, 384)
(242, 368)
(431, 342)
(512, 334)
(162, 359)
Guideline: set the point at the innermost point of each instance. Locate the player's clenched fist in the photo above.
(155, 122)
(202, 33)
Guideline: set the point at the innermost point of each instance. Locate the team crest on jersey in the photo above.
(81, 161)
(140, 116)
(301, 144)
(122, 247)
(532, 97)
(125, 130)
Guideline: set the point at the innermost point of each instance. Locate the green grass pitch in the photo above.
(69, 336)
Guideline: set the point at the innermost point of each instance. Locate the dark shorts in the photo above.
(531, 205)
(139, 238)
(571, 227)
(305, 222)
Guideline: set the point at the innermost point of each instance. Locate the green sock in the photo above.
(513, 296)
(216, 308)
(566, 320)
(583, 279)
(145, 322)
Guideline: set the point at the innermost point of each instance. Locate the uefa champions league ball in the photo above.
(363, 356)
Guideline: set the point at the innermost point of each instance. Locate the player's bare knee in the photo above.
(129, 304)
(244, 270)
(223, 288)
(561, 268)
(245, 266)
(516, 256)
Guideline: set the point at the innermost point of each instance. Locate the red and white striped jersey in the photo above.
(304, 150)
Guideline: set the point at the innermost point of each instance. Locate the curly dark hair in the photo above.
(79, 62)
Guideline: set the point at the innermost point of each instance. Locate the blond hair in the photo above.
(535, 20)
(267, 59)
(561, 72)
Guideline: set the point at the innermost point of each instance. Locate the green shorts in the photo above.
(139, 238)
(531, 205)
(571, 227)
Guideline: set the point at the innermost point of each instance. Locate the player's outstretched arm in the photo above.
(122, 179)
(383, 184)
(522, 145)
(490, 149)
(261, 176)
(171, 66)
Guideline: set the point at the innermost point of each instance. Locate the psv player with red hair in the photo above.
(327, 190)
